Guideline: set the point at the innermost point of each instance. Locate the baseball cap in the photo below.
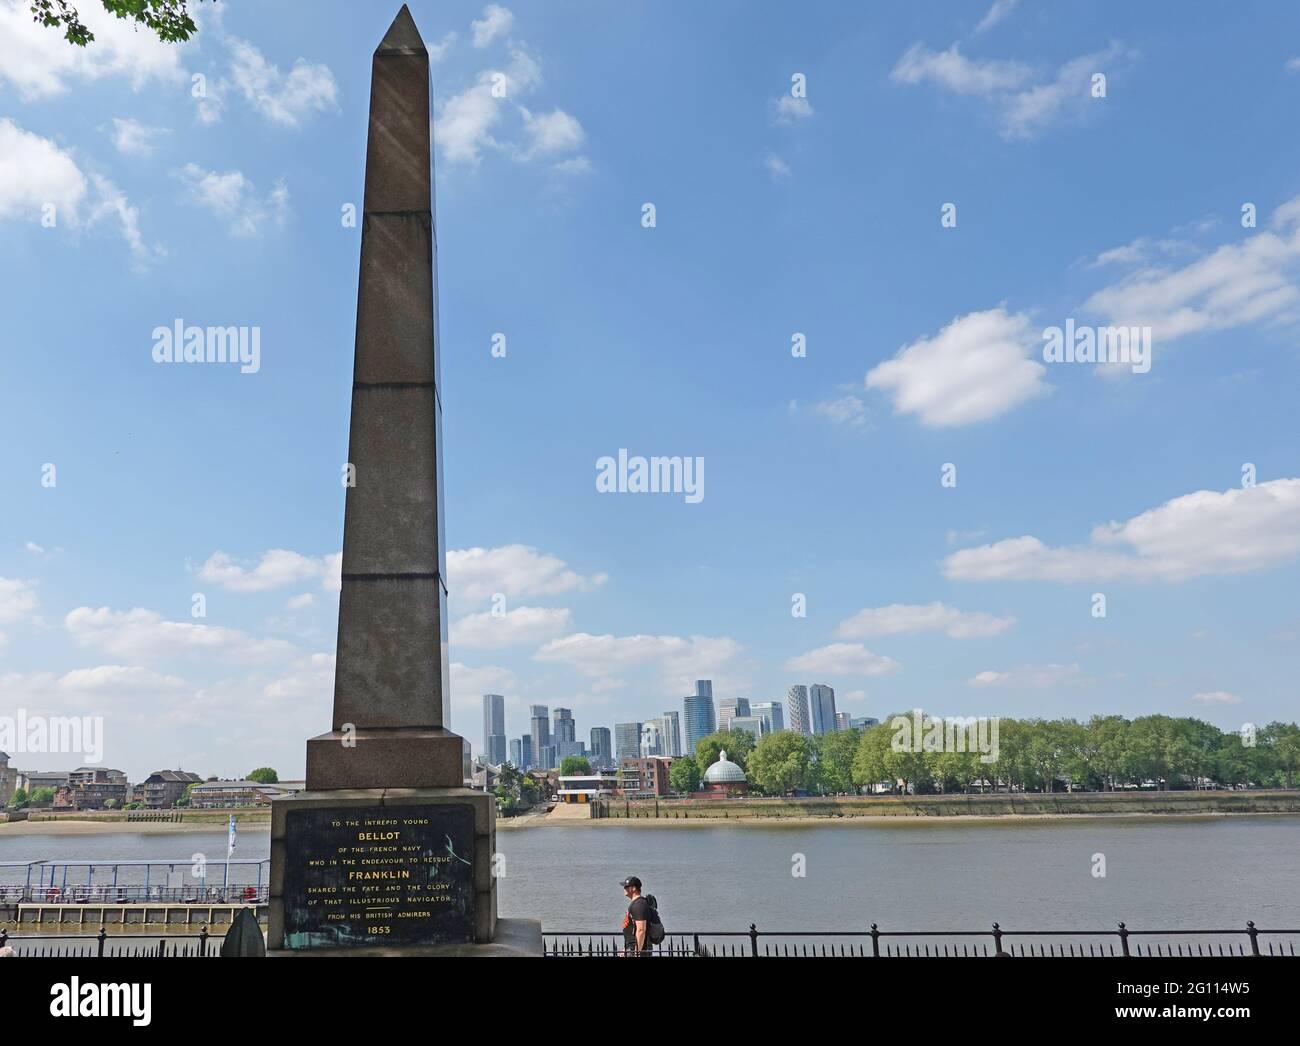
(631, 880)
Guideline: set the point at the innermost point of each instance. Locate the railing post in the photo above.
(1123, 938)
(997, 939)
(753, 940)
(875, 941)
(1254, 937)
(102, 936)
(203, 939)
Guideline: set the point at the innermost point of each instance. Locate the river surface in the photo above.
(1193, 873)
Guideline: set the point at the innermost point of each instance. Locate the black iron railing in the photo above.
(122, 946)
(241, 893)
(877, 943)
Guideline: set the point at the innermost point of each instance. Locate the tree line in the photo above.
(1033, 755)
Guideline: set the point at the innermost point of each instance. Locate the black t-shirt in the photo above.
(638, 910)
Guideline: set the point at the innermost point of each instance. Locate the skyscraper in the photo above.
(752, 723)
(494, 728)
(627, 741)
(698, 710)
(541, 732)
(822, 699)
(516, 753)
(841, 720)
(565, 727)
(672, 734)
(651, 739)
(602, 752)
(729, 708)
(525, 753)
(771, 713)
(796, 700)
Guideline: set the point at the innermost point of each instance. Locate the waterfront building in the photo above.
(822, 699)
(771, 713)
(645, 777)
(93, 788)
(162, 788)
(31, 780)
(796, 700)
(724, 777)
(583, 788)
(494, 728)
(226, 795)
(627, 741)
(8, 778)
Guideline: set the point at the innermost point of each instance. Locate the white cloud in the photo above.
(551, 134)
(976, 368)
(139, 634)
(1252, 281)
(303, 601)
(233, 197)
(788, 109)
(1200, 534)
(848, 411)
(1293, 65)
(1025, 102)
(1030, 677)
(475, 574)
(776, 167)
(464, 128)
(1216, 697)
(842, 659)
(34, 549)
(957, 73)
(17, 600)
(134, 138)
(675, 661)
(277, 568)
(996, 13)
(438, 51)
(496, 22)
(40, 63)
(899, 619)
(283, 98)
(35, 172)
(112, 203)
(522, 625)
(308, 677)
(127, 679)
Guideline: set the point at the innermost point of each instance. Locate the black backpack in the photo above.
(654, 925)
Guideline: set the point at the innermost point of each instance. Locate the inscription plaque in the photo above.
(379, 876)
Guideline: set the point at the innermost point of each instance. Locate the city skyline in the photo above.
(842, 318)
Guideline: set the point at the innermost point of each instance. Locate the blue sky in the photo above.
(774, 215)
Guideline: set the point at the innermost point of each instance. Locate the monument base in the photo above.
(362, 870)
(515, 938)
(385, 757)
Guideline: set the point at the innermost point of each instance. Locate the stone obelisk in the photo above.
(386, 848)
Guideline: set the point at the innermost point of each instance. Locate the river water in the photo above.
(1190, 873)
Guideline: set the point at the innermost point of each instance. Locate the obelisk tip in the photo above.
(402, 36)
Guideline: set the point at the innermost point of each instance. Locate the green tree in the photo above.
(572, 765)
(184, 800)
(264, 775)
(833, 753)
(780, 762)
(737, 743)
(19, 799)
(41, 797)
(684, 775)
(170, 19)
(1283, 743)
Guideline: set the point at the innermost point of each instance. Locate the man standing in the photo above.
(636, 923)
